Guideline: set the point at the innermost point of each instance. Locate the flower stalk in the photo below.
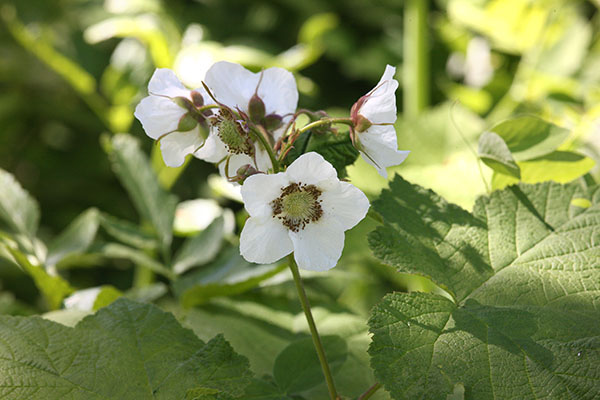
(313, 328)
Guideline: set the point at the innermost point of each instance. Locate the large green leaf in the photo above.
(133, 169)
(524, 272)
(559, 166)
(494, 152)
(530, 137)
(125, 351)
(17, 208)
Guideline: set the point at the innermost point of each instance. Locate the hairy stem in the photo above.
(313, 328)
(324, 121)
(259, 136)
(370, 392)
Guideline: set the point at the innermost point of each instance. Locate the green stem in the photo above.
(370, 392)
(313, 328)
(324, 121)
(267, 147)
(416, 60)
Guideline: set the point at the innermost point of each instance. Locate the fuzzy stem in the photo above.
(370, 392)
(313, 328)
(324, 121)
(416, 61)
(259, 136)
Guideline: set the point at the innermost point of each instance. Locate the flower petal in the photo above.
(258, 191)
(164, 82)
(345, 203)
(380, 106)
(264, 240)
(213, 150)
(318, 246)
(278, 91)
(310, 168)
(175, 146)
(231, 84)
(380, 144)
(158, 115)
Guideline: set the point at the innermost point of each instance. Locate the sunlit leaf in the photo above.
(125, 351)
(524, 272)
(494, 152)
(75, 239)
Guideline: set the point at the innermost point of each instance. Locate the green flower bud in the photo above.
(186, 123)
(256, 109)
(197, 98)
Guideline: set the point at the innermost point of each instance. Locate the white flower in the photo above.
(234, 86)
(305, 209)
(373, 116)
(165, 118)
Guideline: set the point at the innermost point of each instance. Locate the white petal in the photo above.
(235, 162)
(263, 161)
(380, 106)
(232, 84)
(158, 115)
(175, 146)
(380, 144)
(258, 191)
(278, 91)
(310, 168)
(319, 245)
(264, 240)
(213, 150)
(164, 82)
(345, 203)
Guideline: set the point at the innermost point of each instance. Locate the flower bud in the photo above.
(272, 122)
(361, 123)
(183, 103)
(197, 98)
(256, 109)
(186, 123)
(244, 172)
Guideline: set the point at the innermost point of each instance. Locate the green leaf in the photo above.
(494, 152)
(228, 275)
(337, 149)
(53, 286)
(524, 273)
(559, 166)
(75, 239)
(17, 208)
(125, 351)
(530, 137)
(200, 249)
(116, 250)
(127, 232)
(297, 367)
(152, 202)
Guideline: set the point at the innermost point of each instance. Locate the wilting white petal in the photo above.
(175, 146)
(158, 115)
(380, 144)
(311, 168)
(264, 240)
(380, 106)
(345, 203)
(318, 246)
(259, 190)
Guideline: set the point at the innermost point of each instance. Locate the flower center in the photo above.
(297, 206)
(233, 136)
